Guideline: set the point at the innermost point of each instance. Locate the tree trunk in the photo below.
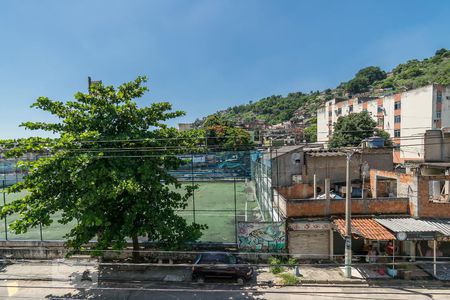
(136, 255)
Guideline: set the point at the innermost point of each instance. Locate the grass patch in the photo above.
(289, 279)
(275, 267)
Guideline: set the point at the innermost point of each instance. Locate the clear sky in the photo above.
(203, 55)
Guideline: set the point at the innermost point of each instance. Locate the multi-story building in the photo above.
(405, 116)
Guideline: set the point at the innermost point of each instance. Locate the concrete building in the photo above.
(298, 171)
(185, 126)
(405, 116)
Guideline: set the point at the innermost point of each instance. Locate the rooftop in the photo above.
(367, 228)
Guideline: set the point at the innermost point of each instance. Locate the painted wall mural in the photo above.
(261, 236)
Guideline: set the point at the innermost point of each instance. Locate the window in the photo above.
(350, 108)
(397, 105)
(397, 119)
(397, 133)
(439, 97)
(380, 109)
(330, 113)
(339, 111)
(438, 115)
(380, 122)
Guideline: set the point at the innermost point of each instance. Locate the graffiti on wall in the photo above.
(261, 236)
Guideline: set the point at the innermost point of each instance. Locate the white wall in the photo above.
(322, 121)
(389, 104)
(417, 108)
(445, 114)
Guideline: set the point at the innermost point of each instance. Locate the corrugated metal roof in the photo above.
(365, 227)
(406, 225)
(443, 225)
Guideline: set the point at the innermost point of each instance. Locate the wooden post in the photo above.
(315, 186)
(393, 254)
(331, 245)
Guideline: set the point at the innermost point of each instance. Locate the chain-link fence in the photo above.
(227, 192)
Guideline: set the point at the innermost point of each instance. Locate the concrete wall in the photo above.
(284, 167)
(445, 108)
(416, 117)
(437, 145)
(297, 191)
(322, 124)
(334, 167)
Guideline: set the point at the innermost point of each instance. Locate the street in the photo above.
(61, 290)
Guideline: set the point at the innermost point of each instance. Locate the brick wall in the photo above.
(322, 207)
(406, 187)
(416, 189)
(428, 208)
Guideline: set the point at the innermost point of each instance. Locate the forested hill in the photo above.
(368, 81)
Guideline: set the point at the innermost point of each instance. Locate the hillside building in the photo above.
(405, 116)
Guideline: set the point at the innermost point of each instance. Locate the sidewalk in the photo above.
(310, 274)
(61, 270)
(76, 272)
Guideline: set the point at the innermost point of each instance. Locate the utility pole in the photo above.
(348, 221)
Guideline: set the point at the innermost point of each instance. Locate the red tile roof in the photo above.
(365, 227)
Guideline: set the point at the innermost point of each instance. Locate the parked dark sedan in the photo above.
(220, 265)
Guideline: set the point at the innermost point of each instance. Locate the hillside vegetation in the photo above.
(370, 81)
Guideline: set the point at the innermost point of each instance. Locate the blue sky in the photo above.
(203, 55)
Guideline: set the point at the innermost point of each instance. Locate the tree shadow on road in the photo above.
(108, 288)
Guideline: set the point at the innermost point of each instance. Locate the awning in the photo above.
(366, 228)
(442, 225)
(412, 229)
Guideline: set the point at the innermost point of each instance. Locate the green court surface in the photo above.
(213, 204)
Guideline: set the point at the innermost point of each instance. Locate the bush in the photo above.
(289, 279)
(275, 267)
(292, 262)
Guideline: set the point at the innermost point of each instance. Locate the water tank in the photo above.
(374, 142)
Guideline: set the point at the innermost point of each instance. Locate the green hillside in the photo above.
(370, 81)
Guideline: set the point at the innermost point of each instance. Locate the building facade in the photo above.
(405, 116)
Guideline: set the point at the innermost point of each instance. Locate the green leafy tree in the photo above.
(223, 135)
(364, 79)
(350, 130)
(310, 132)
(108, 171)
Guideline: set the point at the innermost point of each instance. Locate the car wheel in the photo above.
(240, 280)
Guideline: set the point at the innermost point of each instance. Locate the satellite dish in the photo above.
(296, 158)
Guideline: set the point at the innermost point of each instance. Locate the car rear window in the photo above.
(217, 259)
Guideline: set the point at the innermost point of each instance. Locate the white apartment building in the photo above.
(405, 116)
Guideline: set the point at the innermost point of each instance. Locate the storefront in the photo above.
(371, 237)
(416, 238)
(309, 239)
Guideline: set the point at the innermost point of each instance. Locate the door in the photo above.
(309, 244)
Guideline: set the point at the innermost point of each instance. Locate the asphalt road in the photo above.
(55, 290)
